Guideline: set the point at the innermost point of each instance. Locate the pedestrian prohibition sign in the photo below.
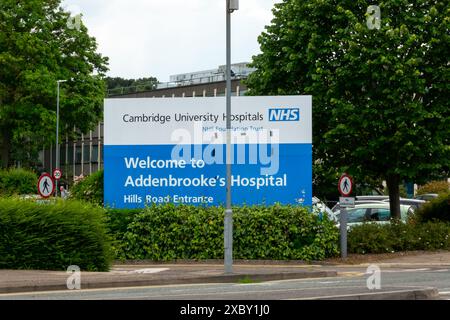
(345, 185)
(46, 186)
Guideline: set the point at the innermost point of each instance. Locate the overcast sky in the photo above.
(159, 38)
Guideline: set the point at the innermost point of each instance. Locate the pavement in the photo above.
(13, 281)
(144, 273)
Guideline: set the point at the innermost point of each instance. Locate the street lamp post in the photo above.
(232, 5)
(57, 132)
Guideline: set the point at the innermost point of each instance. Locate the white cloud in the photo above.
(162, 37)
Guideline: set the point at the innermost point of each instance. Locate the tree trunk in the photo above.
(394, 195)
(5, 149)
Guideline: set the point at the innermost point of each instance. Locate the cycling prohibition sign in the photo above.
(345, 185)
(46, 186)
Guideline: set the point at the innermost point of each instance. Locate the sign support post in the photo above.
(228, 221)
(343, 232)
(345, 187)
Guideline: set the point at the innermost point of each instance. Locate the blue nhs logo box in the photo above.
(284, 114)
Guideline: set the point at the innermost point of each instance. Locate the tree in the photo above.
(380, 96)
(118, 85)
(40, 43)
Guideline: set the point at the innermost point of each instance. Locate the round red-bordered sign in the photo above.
(57, 174)
(46, 185)
(345, 185)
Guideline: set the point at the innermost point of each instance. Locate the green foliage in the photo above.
(117, 85)
(53, 236)
(89, 189)
(398, 236)
(380, 97)
(436, 209)
(17, 181)
(120, 219)
(402, 191)
(185, 232)
(434, 187)
(38, 47)
(118, 222)
(369, 238)
(325, 182)
(247, 280)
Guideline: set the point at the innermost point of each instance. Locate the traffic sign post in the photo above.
(345, 187)
(46, 186)
(343, 232)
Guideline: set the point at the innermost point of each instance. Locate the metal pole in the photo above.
(343, 231)
(57, 135)
(228, 223)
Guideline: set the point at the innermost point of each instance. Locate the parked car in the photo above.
(373, 212)
(337, 206)
(319, 206)
(415, 203)
(426, 196)
(372, 197)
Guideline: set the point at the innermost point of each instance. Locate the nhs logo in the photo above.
(284, 114)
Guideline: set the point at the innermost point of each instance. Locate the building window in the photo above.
(70, 156)
(86, 154)
(62, 154)
(78, 155)
(94, 158)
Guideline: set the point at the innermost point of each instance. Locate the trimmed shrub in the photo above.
(398, 236)
(89, 189)
(434, 187)
(436, 209)
(186, 232)
(118, 222)
(53, 236)
(18, 181)
(369, 238)
(120, 219)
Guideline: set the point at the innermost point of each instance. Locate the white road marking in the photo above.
(148, 270)
(403, 270)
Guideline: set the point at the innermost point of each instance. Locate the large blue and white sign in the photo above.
(160, 150)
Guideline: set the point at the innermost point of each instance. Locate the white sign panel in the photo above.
(346, 202)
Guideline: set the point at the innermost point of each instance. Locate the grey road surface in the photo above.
(351, 280)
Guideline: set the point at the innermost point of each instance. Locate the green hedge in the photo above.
(118, 222)
(436, 209)
(438, 186)
(18, 181)
(185, 232)
(89, 189)
(53, 236)
(398, 236)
